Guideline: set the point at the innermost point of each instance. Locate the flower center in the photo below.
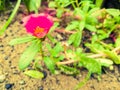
(38, 30)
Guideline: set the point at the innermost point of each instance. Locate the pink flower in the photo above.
(38, 24)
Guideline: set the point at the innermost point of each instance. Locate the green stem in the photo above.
(36, 11)
(73, 4)
(77, 3)
(41, 51)
(10, 18)
(98, 3)
(83, 82)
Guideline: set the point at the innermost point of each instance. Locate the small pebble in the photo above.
(22, 88)
(2, 78)
(40, 88)
(95, 76)
(15, 72)
(45, 74)
(111, 68)
(22, 82)
(8, 86)
(6, 57)
(1, 46)
(92, 87)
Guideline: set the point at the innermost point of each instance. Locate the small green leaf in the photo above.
(113, 12)
(71, 38)
(77, 40)
(90, 28)
(21, 40)
(29, 54)
(91, 64)
(93, 11)
(113, 56)
(50, 64)
(34, 74)
(68, 70)
(52, 4)
(59, 12)
(99, 3)
(117, 43)
(91, 20)
(55, 51)
(32, 5)
(82, 25)
(72, 25)
(86, 5)
(79, 12)
(105, 62)
(95, 47)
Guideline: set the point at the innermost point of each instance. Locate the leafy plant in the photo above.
(87, 21)
(68, 56)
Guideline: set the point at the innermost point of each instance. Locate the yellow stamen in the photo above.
(38, 30)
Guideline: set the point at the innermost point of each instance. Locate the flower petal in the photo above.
(38, 20)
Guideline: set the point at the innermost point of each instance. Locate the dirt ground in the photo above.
(10, 74)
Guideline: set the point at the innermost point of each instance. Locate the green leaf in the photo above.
(32, 5)
(50, 64)
(68, 70)
(91, 64)
(95, 47)
(117, 42)
(112, 55)
(21, 40)
(55, 51)
(78, 38)
(82, 25)
(34, 74)
(99, 3)
(105, 62)
(59, 12)
(86, 5)
(79, 12)
(91, 20)
(90, 28)
(71, 38)
(75, 39)
(52, 4)
(29, 54)
(113, 12)
(93, 10)
(72, 25)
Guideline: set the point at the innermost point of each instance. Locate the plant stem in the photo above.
(99, 3)
(116, 49)
(73, 4)
(11, 17)
(73, 61)
(79, 85)
(67, 62)
(41, 51)
(77, 3)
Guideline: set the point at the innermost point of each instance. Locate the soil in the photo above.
(17, 80)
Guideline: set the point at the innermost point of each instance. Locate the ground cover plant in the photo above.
(91, 38)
